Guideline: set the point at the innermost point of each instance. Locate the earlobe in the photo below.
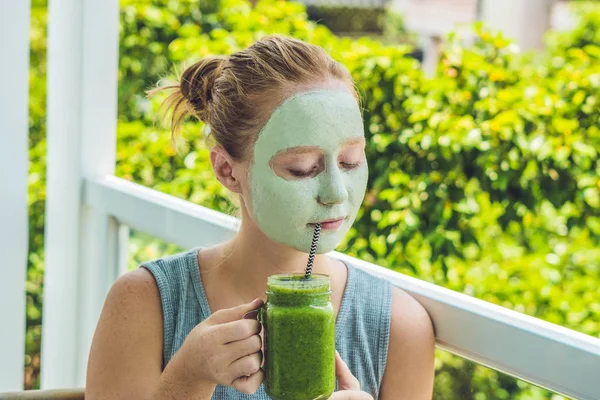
(222, 164)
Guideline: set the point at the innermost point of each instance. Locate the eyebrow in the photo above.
(299, 150)
(310, 149)
(355, 140)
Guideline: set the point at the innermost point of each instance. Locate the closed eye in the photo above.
(302, 174)
(349, 165)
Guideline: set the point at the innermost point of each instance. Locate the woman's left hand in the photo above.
(349, 387)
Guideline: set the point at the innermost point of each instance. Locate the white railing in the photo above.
(535, 351)
(14, 70)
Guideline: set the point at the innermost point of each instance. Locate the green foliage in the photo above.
(483, 179)
(394, 28)
(36, 192)
(587, 31)
(348, 19)
(145, 155)
(147, 27)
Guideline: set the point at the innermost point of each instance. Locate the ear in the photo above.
(223, 165)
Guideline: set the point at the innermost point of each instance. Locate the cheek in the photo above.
(279, 197)
(244, 178)
(300, 193)
(356, 184)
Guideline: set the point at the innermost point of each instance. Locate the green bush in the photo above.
(146, 29)
(483, 179)
(36, 192)
(347, 19)
(587, 31)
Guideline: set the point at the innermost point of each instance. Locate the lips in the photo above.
(330, 224)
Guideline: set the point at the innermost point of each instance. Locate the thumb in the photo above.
(346, 381)
(235, 313)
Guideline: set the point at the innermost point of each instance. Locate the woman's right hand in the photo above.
(224, 349)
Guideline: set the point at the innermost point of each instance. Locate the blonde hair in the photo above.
(235, 95)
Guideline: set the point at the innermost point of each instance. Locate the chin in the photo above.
(320, 249)
(328, 241)
(327, 247)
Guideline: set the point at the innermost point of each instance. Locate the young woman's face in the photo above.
(309, 166)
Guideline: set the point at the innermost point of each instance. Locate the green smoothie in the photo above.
(299, 322)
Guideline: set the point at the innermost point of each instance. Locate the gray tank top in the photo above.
(362, 326)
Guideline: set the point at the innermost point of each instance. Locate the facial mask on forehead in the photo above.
(283, 208)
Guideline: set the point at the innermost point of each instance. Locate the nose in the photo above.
(332, 188)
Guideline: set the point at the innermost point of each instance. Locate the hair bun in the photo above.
(197, 82)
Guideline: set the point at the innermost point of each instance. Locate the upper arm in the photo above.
(410, 369)
(125, 359)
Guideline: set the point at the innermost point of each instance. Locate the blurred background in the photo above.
(483, 126)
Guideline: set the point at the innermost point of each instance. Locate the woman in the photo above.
(290, 143)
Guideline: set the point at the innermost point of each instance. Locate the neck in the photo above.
(250, 258)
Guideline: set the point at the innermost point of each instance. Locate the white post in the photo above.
(526, 22)
(14, 125)
(80, 241)
(123, 249)
(431, 54)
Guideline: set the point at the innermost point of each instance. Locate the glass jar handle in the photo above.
(261, 313)
(258, 312)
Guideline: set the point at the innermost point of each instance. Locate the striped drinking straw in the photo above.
(313, 251)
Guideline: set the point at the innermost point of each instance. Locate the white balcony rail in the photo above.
(14, 69)
(535, 351)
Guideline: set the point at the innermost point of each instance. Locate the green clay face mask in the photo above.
(284, 208)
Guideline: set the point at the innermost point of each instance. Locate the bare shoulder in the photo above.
(411, 356)
(136, 283)
(409, 317)
(126, 355)
(133, 296)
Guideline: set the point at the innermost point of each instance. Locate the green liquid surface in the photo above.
(299, 322)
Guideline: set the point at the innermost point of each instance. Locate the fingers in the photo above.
(246, 366)
(249, 384)
(346, 381)
(244, 347)
(238, 330)
(235, 313)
